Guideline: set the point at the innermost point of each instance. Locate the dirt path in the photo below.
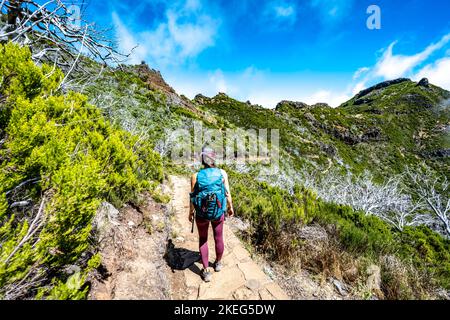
(132, 245)
(240, 279)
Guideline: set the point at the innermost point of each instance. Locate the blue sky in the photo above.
(268, 50)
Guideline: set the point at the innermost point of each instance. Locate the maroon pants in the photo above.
(203, 226)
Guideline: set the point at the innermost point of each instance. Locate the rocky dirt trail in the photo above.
(133, 244)
(240, 279)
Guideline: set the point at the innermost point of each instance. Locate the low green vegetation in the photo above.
(61, 155)
(277, 217)
(402, 130)
(59, 159)
(397, 127)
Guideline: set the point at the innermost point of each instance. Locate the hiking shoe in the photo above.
(218, 266)
(206, 275)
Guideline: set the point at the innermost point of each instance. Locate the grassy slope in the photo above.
(76, 159)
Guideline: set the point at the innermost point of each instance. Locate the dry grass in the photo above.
(316, 249)
(400, 280)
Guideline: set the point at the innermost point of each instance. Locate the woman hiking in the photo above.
(210, 200)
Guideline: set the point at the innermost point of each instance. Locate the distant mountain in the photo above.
(382, 129)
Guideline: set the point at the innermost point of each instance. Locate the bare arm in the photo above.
(191, 205)
(228, 194)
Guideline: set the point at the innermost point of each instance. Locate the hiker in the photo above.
(210, 201)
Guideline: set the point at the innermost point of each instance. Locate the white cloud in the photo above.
(280, 12)
(393, 66)
(192, 5)
(127, 41)
(184, 33)
(438, 73)
(219, 83)
(358, 87)
(334, 99)
(191, 38)
(332, 10)
(360, 72)
(284, 11)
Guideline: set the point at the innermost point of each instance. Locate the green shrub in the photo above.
(74, 288)
(76, 159)
(428, 250)
(276, 215)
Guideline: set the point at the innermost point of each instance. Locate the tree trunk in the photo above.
(14, 12)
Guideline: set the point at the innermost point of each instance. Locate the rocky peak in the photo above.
(321, 105)
(424, 83)
(201, 99)
(153, 78)
(155, 81)
(292, 104)
(381, 85)
(221, 95)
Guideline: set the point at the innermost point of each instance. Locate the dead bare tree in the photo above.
(388, 200)
(57, 33)
(433, 191)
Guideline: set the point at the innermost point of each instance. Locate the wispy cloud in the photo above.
(127, 41)
(284, 11)
(360, 72)
(390, 66)
(220, 84)
(280, 13)
(393, 66)
(332, 11)
(185, 31)
(438, 73)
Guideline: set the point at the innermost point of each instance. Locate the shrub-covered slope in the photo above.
(59, 159)
(62, 154)
(384, 130)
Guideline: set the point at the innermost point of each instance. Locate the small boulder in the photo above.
(340, 287)
(201, 99)
(373, 282)
(71, 269)
(106, 218)
(321, 105)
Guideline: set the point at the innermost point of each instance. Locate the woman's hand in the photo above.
(191, 216)
(230, 212)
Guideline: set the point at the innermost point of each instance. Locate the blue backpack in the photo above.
(208, 196)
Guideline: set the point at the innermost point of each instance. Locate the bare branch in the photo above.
(20, 185)
(35, 225)
(54, 34)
